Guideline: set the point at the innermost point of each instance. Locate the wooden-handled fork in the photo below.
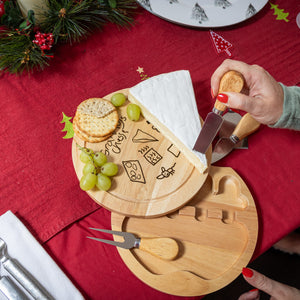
(164, 248)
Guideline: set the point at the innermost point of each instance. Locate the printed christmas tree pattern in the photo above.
(251, 11)
(281, 15)
(199, 14)
(220, 43)
(68, 127)
(222, 3)
(146, 3)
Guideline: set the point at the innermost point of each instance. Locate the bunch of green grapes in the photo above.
(97, 171)
(133, 110)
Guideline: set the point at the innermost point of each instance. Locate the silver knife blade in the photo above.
(231, 119)
(225, 145)
(211, 126)
(222, 148)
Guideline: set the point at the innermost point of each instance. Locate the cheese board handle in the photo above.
(232, 81)
(164, 248)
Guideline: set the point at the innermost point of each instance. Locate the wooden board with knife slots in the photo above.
(216, 232)
(154, 177)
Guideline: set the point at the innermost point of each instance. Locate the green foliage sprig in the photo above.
(118, 12)
(18, 53)
(71, 23)
(66, 21)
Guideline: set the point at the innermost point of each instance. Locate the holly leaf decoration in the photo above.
(68, 127)
(30, 21)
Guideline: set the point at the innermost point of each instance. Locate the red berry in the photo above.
(44, 40)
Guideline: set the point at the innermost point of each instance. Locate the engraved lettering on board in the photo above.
(113, 144)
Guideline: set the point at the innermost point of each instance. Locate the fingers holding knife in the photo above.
(262, 96)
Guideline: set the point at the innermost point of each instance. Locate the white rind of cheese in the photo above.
(168, 102)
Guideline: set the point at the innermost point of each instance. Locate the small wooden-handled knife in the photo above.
(164, 248)
(231, 81)
(224, 146)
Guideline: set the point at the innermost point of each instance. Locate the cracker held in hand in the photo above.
(96, 119)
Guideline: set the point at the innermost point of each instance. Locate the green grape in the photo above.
(133, 112)
(85, 157)
(103, 182)
(118, 99)
(88, 181)
(109, 169)
(89, 168)
(99, 159)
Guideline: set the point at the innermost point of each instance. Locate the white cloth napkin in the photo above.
(22, 246)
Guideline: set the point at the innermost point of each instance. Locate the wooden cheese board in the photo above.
(216, 232)
(154, 177)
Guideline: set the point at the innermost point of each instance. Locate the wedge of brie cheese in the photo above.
(168, 102)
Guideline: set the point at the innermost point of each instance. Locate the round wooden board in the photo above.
(154, 177)
(216, 233)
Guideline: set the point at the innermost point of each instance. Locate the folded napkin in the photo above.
(23, 247)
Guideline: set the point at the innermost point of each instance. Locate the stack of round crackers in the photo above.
(95, 120)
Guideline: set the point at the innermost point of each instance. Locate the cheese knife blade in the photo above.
(225, 145)
(231, 81)
(231, 119)
(211, 126)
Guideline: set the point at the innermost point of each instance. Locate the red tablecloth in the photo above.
(37, 179)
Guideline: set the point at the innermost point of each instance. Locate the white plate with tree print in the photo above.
(204, 13)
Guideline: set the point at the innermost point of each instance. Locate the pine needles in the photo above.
(66, 21)
(17, 53)
(71, 23)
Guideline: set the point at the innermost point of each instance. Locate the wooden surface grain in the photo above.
(154, 177)
(216, 232)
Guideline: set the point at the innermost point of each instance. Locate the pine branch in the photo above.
(72, 20)
(120, 12)
(22, 47)
(13, 16)
(18, 53)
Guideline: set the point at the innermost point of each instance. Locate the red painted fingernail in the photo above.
(247, 272)
(212, 93)
(235, 110)
(254, 290)
(222, 98)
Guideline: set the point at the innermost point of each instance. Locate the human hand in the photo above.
(265, 95)
(277, 290)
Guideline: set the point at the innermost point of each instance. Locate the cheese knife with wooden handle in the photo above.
(231, 81)
(246, 126)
